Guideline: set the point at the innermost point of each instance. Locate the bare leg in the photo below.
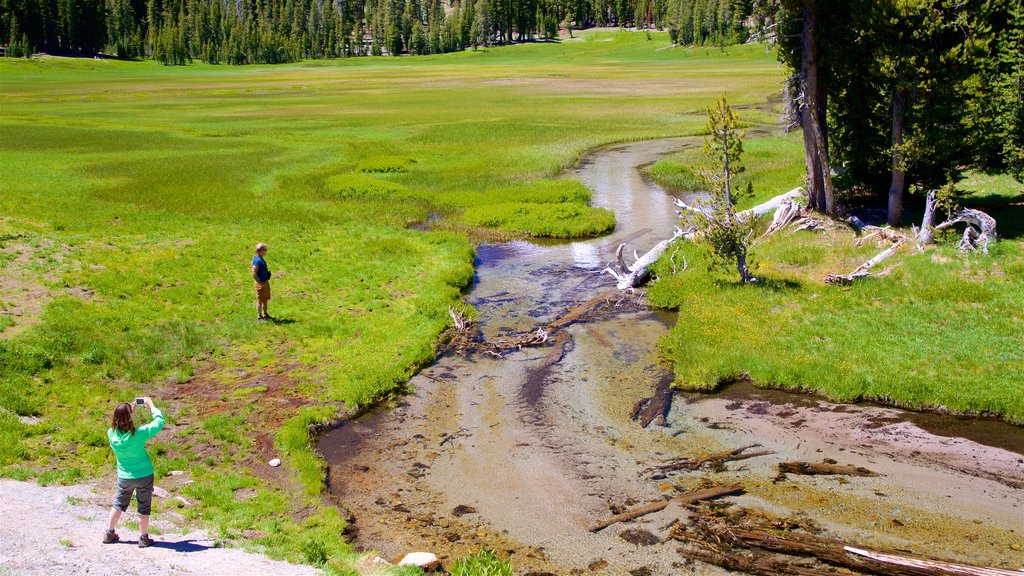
(115, 515)
(144, 523)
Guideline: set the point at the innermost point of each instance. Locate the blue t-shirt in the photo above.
(262, 272)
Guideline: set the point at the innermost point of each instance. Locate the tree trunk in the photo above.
(809, 86)
(927, 232)
(899, 169)
(741, 262)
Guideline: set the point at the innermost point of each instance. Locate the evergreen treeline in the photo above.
(904, 94)
(271, 31)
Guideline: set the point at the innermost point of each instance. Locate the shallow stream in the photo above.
(521, 454)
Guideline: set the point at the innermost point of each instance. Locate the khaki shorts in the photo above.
(263, 291)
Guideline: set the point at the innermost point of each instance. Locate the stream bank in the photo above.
(522, 454)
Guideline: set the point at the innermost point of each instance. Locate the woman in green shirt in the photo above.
(134, 469)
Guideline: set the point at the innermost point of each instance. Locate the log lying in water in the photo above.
(688, 498)
(464, 331)
(655, 408)
(635, 275)
(825, 468)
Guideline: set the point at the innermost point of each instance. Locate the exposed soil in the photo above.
(58, 530)
(523, 454)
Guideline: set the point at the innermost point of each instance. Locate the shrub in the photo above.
(483, 563)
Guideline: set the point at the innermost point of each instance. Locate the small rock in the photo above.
(183, 501)
(597, 565)
(425, 560)
(639, 537)
(462, 510)
(1015, 546)
(175, 473)
(160, 492)
(275, 462)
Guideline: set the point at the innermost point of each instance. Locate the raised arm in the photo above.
(156, 425)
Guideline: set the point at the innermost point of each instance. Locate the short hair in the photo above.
(261, 246)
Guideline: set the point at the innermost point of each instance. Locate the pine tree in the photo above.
(723, 232)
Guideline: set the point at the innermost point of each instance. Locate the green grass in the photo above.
(483, 563)
(134, 193)
(774, 164)
(942, 330)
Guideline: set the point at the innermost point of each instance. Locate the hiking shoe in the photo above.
(110, 537)
(145, 541)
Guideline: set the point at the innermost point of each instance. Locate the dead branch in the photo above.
(981, 229)
(655, 408)
(929, 564)
(788, 211)
(718, 459)
(739, 539)
(685, 499)
(825, 468)
(635, 275)
(864, 269)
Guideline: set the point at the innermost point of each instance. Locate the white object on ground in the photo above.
(424, 560)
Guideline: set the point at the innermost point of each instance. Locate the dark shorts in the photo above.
(143, 488)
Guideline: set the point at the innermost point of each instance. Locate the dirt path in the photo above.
(58, 531)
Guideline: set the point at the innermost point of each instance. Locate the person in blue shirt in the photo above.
(261, 274)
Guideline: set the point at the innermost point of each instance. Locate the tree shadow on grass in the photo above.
(767, 283)
(1009, 220)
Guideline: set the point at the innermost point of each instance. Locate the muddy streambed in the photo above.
(523, 454)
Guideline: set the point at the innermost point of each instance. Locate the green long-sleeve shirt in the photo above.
(130, 449)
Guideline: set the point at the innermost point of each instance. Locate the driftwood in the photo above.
(684, 499)
(742, 540)
(716, 459)
(927, 565)
(980, 230)
(756, 212)
(464, 331)
(825, 468)
(655, 408)
(864, 269)
(637, 274)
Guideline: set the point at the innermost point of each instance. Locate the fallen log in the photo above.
(637, 274)
(737, 540)
(656, 407)
(787, 212)
(929, 564)
(825, 468)
(685, 499)
(718, 459)
(761, 564)
(865, 269)
(464, 332)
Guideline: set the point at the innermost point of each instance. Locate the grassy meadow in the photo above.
(941, 331)
(132, 194)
